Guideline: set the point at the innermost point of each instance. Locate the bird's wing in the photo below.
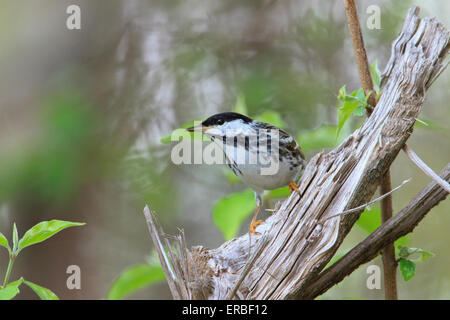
(286, 141)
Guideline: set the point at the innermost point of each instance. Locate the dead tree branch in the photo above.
(402, 223)
(297, 250)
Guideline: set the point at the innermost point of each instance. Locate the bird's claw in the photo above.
(253, 226)
(294, 187)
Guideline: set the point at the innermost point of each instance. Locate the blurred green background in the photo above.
(82, 114)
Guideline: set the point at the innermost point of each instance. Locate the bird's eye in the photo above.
(220, 122)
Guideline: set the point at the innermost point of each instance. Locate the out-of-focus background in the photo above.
(82, 114)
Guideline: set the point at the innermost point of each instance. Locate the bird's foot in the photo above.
(294, 187)
(253, 226)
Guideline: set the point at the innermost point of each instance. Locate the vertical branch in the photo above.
(388, 253)
(360, 52)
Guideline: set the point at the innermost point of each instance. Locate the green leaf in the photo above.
(271, 117)
(43, 231)
(359, 110)
(355, 103)
(43, 293)
(407, 268)
(342, 92)
(420, 254)
(369, 220)
(15, 237)
(240, 106)
(424, 255)
(346, 106)
(135, 278)
(11, 290)
(376, 75)
(358, 95)
(403, 252)
(230, 211)
(4, 242)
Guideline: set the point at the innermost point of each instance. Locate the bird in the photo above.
(251, 148)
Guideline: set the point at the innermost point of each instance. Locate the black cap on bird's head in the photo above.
(218, 120)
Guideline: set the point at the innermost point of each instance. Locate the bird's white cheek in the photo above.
(216, 132)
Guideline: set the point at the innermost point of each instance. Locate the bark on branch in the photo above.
(292, 247)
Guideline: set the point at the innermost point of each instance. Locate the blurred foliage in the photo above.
(84, 116)
(54, 168)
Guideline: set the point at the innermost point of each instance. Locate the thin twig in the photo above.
(426, 169)
(368, 203)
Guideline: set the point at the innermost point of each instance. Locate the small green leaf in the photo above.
(407, 268)
(359, 110)
(11, 290)
(230, 211)
(346, 106)
(4, 242)
(403, 252)
(271, 117)
(15, 237)
(419, 254)
(43, 293)
(342, 92)
(135, 278)
(355, 103)
(43, 231)
(425, 255)
(376, 75)
(358, 95)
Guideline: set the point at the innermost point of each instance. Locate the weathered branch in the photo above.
(399, 225)
(388, 253)
(297, 247)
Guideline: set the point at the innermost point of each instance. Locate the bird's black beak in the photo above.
(198, 128)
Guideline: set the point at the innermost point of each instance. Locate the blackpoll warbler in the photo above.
(264, 156)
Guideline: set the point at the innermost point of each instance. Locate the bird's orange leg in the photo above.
(294, 187)
(255, 223)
